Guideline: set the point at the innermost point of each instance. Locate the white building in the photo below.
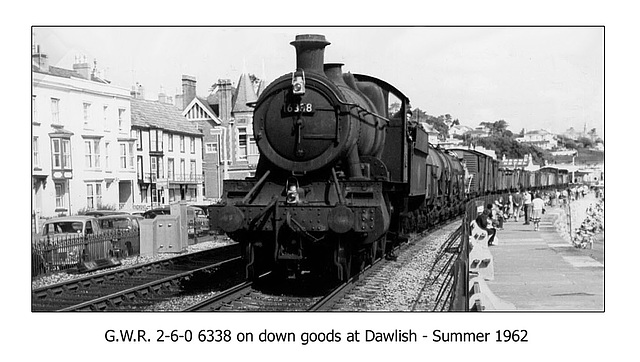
(539, 138)
(459, 130)
(432, 133)
(82, 151)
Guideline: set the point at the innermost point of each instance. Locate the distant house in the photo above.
(169, 154)
(432, 133)
(564, 152)
(459, 130)
(539, 138)
(525, 163)
(226, 120)
(479, 132)
(599, 146)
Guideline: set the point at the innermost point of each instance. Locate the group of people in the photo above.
(494, 215)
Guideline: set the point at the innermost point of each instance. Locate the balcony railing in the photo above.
(175, 178)
(185, 178)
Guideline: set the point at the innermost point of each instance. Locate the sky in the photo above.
(531, 77)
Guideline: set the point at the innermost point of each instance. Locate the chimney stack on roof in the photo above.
(226, 100)
(137, 91)
(39, 59)
(82, 67)
(188, 89)
(162, 97)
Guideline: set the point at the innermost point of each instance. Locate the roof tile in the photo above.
(153, 114)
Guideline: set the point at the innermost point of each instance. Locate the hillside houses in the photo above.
(540, 138)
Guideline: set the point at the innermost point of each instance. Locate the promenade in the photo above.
(542, 271)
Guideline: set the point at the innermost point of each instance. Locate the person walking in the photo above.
(517, 205)
(537, 207)
(527, 206)
(510, 206)
(498, 213)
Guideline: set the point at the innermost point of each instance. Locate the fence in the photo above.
(460, 295)
(64, 252)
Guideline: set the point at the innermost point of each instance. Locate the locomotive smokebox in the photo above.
(310, 52)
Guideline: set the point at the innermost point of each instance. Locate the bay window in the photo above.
(61, 153)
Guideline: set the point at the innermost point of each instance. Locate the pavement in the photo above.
(542, 271)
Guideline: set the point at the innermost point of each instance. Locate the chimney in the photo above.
(39, 59)
(82, 67)
(137, 91)
(162, 97)
(225, 99)
(188, 89)
(310, 52)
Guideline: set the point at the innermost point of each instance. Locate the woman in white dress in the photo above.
(536, 214)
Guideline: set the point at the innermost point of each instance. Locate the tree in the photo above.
(394, 108)
(513, 149)
(419, 115)
(497, 128)
(567, 142)
(586, 142)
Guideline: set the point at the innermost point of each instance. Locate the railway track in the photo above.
(265, 295)
(262, 295)
(140, 286)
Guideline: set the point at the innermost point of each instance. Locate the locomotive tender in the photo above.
(339, 173)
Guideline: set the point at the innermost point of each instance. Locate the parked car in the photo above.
(201, 218)
(151, 214)
(98, 213)
(197, 219)
(124, 231)
(68, 240)
(134, 212)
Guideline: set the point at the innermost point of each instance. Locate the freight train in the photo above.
(344, 172)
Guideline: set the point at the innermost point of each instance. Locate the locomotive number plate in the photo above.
(299, 108)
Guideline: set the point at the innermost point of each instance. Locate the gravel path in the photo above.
(400, 286)
(48, 279)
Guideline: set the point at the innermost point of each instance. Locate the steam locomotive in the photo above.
(343, 172)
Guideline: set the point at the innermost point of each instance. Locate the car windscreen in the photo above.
(114, 224)
(62, 227)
